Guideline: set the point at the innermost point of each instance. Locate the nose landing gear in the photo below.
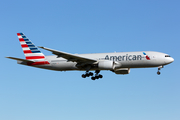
(159, 68)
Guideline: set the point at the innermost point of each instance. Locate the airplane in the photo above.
(117, 62)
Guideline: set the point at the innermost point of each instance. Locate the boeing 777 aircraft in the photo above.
(118, 62)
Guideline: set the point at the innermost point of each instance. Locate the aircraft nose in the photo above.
(169, 60)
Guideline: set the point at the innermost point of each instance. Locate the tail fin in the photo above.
(31, 52)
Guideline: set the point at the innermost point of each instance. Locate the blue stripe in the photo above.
(26, 39)
(31, 46)
(29, 43)
(21, 33)
(24, 36)
(144, 53)
(36, 51)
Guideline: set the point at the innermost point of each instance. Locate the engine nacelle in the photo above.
(106, 65)
(122, 71)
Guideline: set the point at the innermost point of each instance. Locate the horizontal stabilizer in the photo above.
(19, 59)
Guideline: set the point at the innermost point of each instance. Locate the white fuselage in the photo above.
(122, 60)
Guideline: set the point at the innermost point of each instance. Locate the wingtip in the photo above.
(40, 47)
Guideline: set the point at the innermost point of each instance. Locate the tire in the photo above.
(97, 77)
(83, 76)
(91, 74)
(158, 73)
(100, 76)
(93, 78)
(87, 75)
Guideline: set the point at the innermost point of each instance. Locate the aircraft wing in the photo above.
(70, 57)
(19, 59)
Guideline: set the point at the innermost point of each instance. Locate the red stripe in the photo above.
(18, 34)
(27, 51)
(39, 63)
(34, 57)
(21, 39)
(24, 45)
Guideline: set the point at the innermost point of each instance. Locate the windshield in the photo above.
(167, 56)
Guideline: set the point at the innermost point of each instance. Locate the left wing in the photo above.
(70, 57)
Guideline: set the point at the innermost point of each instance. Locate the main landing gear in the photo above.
(88, 74)
(97, 75)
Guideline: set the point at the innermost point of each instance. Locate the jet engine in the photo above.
(122, 71)
(106, 65)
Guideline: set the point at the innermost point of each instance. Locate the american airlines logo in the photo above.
(124, 57)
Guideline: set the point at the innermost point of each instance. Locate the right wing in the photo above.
(70, 57)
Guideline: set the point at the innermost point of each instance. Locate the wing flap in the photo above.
(70, 57)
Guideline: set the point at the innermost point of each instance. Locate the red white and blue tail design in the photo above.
(31, 52)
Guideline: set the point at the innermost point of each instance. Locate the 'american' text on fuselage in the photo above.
(124, 57)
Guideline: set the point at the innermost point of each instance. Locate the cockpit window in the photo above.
(167, 56)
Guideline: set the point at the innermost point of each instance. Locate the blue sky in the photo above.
(94, 26)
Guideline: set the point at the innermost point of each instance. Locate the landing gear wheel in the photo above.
(91, 74)
(158, 73)
(83, 76)
(97, 77)
(93, 78)
(87, 74)
(100, 76)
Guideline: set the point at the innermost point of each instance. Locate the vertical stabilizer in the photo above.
(31, 52)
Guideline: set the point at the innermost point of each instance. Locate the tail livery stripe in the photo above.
(34, 57)
(34, 54)
(33, 49)
(21, 40)
(24, 45)
(31, 52)
(27, 51)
